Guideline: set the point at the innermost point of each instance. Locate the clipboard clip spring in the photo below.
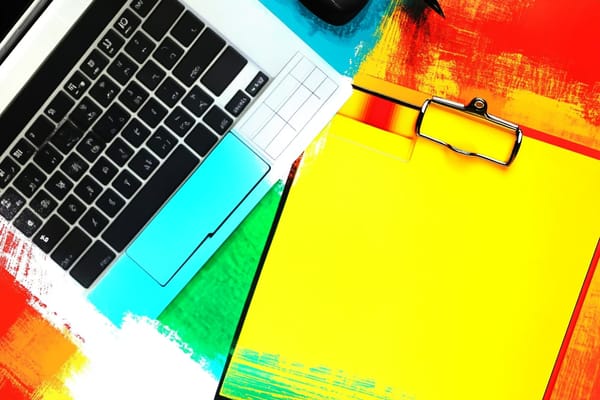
(476, 108)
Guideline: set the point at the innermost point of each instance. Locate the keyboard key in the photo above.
(187, 28)
(104, 171)
(48, 158)
(179, 121)
(150, 198)
(140, 47)
(201, 139)
(71, 248)
(110, 202)
(135, 132)
(52, 231)
(111, 43)
(143, 164)
(71, 209)
(126, 183)
(22, 151)
(92, 264)
(27, 222)
(133, 96)
(151, 75)
(91, 147)
(74, 166)
(39, 131)
(11, 203)
(77, 85)
(199, 56)
(59, 107)
(104, 91)
(119, 152)
(161, 19)
(8, 170)
(43, 204)
(93, 222)
(259, 81)
(94, 64)
(111, 122)
(66, 137)
(170, 92)
(143, 7)
(127, 23)
(223, 71)
(218, 120)
(168, 53)
(85, 114)
(30, 180)
(88, 190)
(161, 142)
(238, 103)
(197, 101)
(122, 69)
(152, 113)
(59, 185)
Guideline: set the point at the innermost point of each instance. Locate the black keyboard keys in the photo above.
(93, 222)
(27, 222)
(59, 107)
(179, 121)
(168, 53)
(151, 75)
(71, 248)
(187, 28)
(11, 203)
(170, 92)
(48, 158)
(111, 122)
(43, 204)
(110, 202)
(201, 139)
(218, 120)
(152, 113)
(161, 19)
(197, 101)
(104, 171)
(92, 264)
(104, 90)
(224, 70)
(127, 23)
(238, 103)
(91, 147)
(122, 69)
(143, 7)
(88, 190)
(143, 164)
(199, 56)
(94, 64)
(71, 209)
(52, 231)
(111, 43)
(30, 180)
(150, 198)
(74, 166)
(59, 185)
(67, 137)
(8, 170)
(39, 131)
(133, 96)
(22, 151)
(259, 81)
(135, 132)
(85, 114)
(119, 152)
(140, 47)
(162, 142)
(77, 85)
(126, 183)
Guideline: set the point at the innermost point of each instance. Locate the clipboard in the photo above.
(402, 270)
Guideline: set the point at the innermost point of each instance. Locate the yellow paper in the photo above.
(436, 277)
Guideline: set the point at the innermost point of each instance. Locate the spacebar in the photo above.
(150, 198)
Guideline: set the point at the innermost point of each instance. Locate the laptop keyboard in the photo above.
(121, 133)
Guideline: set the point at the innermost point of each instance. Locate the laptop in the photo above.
(138, 134)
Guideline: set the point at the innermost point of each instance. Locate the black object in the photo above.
(335, 12)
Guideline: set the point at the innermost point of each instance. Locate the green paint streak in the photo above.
(206, 313)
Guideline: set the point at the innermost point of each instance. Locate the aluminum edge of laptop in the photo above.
(125, 286)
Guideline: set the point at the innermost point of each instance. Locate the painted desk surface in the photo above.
(534, 61)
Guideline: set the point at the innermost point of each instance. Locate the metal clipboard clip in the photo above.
(476, 110)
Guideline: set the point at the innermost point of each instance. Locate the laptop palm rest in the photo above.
(198, 208)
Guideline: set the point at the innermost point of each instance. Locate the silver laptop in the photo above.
(138, 134)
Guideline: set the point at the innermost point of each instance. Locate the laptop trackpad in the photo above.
(227, 175)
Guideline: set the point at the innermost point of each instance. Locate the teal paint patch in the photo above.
(267, 376)
(344, 47)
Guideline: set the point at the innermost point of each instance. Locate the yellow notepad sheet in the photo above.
(425, 273)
